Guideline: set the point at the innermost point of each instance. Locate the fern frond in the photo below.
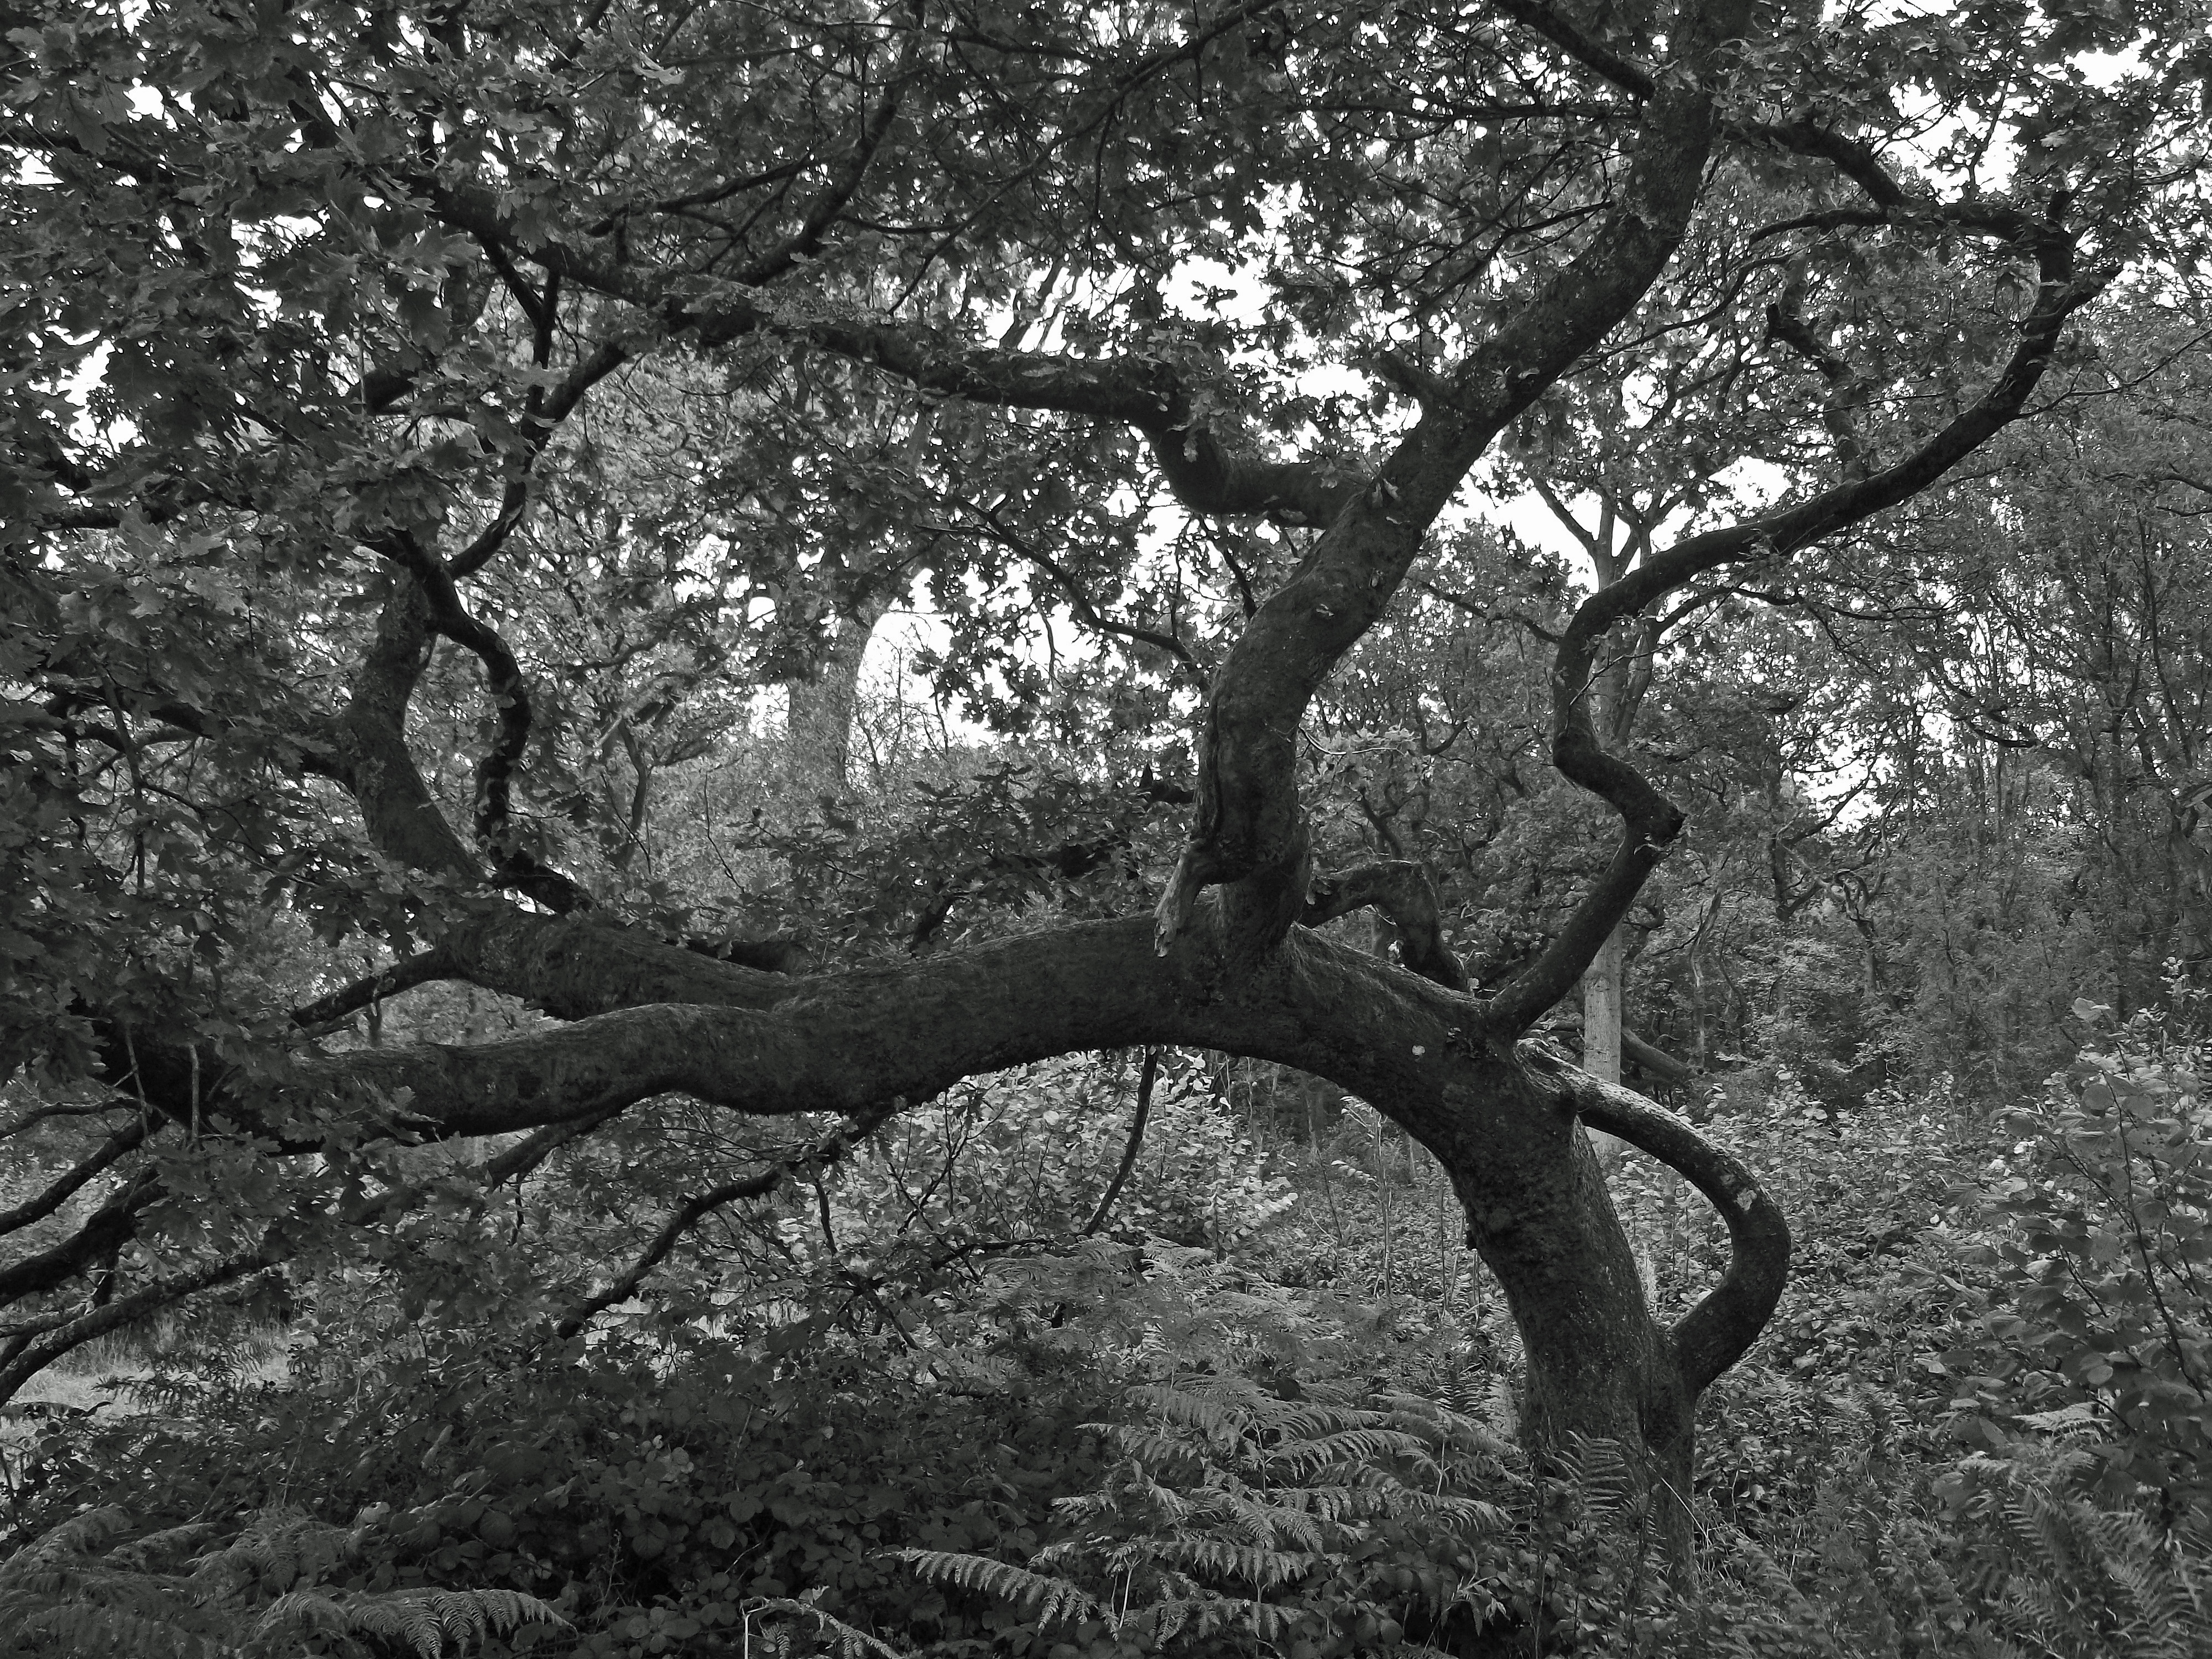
(1252, 1563)
(84, 1631)
(423, 1620)
(1599, 1470)
(1351, 1446)
(849, 1641)
(79, 1535)
(1054, 1599)
(281, 1548)
(1151, 1447)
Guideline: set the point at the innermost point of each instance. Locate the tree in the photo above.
(390, 384)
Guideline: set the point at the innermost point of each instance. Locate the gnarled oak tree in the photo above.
(520, 380)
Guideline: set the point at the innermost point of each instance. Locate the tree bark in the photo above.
(818, 744)
(1603, 992)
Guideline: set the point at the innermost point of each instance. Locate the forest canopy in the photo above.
(461, 859)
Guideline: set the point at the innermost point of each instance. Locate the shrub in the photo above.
(2099, 1327)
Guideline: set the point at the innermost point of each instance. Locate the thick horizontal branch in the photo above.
(858, 1042)
(575, 967)
(865, 1043)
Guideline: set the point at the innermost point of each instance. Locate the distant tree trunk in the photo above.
(817, 741)
(1602, 990)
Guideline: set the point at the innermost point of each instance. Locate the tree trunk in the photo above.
(1603, 991)
(1599, 1364)
(817, 742)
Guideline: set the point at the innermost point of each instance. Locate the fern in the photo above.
(2089, 1581)
(423, 1622)
(1228, 1512)
(1055, 1600)
(847, 1641)
(76, 1591)
(2034, 1572)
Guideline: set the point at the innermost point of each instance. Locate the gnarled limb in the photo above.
(1649, 823)
(1403, 890)
(402, 819)
(1714, 1335)
(510, 695)
(1247, 822)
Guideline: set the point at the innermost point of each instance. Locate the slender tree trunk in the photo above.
(1602, 992)
(818, 731)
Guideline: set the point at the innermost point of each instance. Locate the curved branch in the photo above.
(1248, 826)
(418, 969)
(402, 819)
(58, 1192)
(445, 614)
(853, 1042)
(1847, 387)
(542, 417)
(1714, 1335)
(1854, 159)
(688, 1215)
(1212, 470)
(1650, 822)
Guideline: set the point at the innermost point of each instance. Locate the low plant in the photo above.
(99, 1584)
